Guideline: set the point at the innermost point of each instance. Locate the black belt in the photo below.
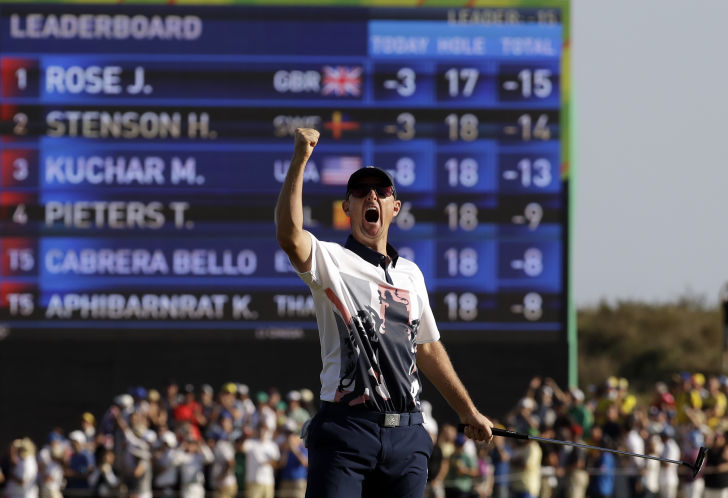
(382, 419)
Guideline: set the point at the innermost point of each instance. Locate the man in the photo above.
(377, 331)
(261, 457)
(81, 463)
(293, 462)
(462, 469)
(222, 473)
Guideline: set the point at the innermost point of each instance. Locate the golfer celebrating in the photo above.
(377, 332)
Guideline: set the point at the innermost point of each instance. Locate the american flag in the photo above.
(342, 81)
(337, 169)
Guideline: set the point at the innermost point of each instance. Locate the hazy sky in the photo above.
(650, 85)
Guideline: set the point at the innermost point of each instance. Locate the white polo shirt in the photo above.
(369, 327)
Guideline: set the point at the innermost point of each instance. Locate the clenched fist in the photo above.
(305, 140)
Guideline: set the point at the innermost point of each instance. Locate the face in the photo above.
(372, 214)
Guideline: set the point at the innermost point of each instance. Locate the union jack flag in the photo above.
(342, 81)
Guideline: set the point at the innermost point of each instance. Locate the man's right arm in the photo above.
(289, 209)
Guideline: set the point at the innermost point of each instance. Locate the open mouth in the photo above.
(371, 215)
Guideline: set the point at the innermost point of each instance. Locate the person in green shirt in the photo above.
(240, 462)
(463, 468)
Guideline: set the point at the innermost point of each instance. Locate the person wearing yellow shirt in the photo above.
(715, 404)
(687, 398)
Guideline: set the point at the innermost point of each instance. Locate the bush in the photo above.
(646, 342)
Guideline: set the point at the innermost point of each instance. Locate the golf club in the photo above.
(694, 467)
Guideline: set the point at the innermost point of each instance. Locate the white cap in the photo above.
(527, 403)
(169, 439)
(124, 401)
(77, 436)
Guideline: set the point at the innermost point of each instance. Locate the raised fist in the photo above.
(305, 140)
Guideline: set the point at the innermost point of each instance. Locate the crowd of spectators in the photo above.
(192, 442)
(184, 442)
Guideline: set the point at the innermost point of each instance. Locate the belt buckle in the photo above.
(391, 420)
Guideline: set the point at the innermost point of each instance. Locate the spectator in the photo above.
(626, 401)
(483, 484)
(295, 411)
(194, 456)
(436, 470)
(576, 478)
(526, 465)
(605, 397)
(634, 443)
(687, 398)
(663, 400)
(307, 400)
(500, 456)
(228, 402)
(139, 395)
(462, 469)
(51, 464)
(166, 466)
(293, 463)
(281, 409)
(104, 479)
(550, 454)
(261, 456)
(21, 478)
(244, 405)
(612, 426)
(651, 472)
(222, 473)
(240, 462)
(207, 403)
(602, 465)
(138, 457)
(189, 410)
(715, 403)
(716, 468)
(157, 414)
(523, 420)
(693, 487)
(81, 464)
(88, 426)
(172, 398)
(264, 413)
(668, 480)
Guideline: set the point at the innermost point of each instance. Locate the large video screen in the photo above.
(143, 149)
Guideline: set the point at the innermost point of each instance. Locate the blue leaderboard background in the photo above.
(143, 148)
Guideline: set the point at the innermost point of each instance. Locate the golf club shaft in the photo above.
(516, 435)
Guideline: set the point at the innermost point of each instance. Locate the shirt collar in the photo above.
(370, 255)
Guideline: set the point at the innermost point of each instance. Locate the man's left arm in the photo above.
(434, 362)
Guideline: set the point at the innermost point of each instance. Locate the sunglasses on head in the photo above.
(362, 190)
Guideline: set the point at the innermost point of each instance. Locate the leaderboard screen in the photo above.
(143, 148)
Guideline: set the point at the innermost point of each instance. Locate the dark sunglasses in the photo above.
(362, 190)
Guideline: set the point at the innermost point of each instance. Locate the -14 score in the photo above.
(466, 127)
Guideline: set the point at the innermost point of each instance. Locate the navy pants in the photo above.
(350, 456)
